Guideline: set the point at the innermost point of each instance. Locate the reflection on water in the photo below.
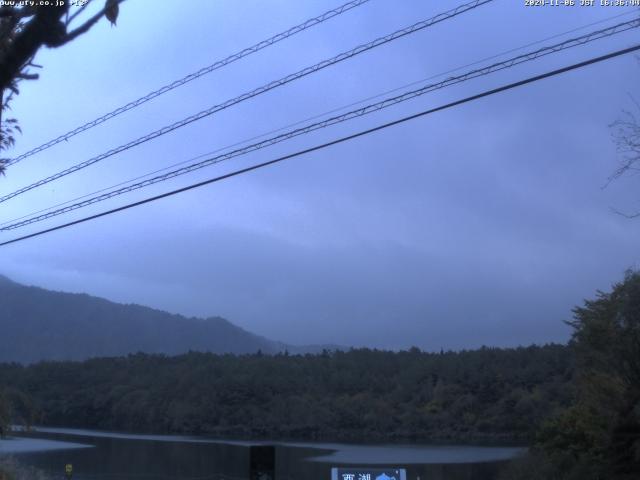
(24, 445)
(409, 454)
(161, 457)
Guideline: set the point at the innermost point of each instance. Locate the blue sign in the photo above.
(364, 473)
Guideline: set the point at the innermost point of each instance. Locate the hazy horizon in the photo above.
(188, 317)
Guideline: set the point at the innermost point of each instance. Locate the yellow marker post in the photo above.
(68, 470)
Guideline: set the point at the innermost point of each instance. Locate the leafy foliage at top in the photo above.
(599, 435)
(25, 27)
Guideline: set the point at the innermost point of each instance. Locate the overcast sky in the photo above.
(483, 224)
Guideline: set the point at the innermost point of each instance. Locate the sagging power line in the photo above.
(317, 116)
(299, 153)
(192, 76)
(416, 27)
(388, 102)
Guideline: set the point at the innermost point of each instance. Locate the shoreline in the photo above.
(206, 437)
(335, 452)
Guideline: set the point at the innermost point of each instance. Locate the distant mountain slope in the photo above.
(38, 324)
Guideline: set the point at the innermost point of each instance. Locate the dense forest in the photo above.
(362, 395)
(598, 436)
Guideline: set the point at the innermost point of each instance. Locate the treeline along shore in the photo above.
(488, 394)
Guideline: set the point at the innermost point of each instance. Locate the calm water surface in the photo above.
(109, 456)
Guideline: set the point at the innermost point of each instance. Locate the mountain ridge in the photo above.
(38, 324)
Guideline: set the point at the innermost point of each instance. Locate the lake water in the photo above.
(110, 456)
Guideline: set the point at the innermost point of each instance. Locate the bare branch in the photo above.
(28, 76)
(626, 135)
(625, 215)
(633, 99)
(78, 12)
(86, 26)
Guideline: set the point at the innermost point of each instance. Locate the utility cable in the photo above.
(192, 76)
(258, 91)
(299, 153)
(526, 57)
(314, 117)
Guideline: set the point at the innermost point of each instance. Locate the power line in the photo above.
(337, 141)
(477, 62)
(258, 91)
(314, 117)
(192, 76)
(340, 118)
(388, 102)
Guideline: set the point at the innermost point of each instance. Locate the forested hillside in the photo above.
(500, 394)
(38, 324)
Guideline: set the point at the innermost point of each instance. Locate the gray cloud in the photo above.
(484, 224)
